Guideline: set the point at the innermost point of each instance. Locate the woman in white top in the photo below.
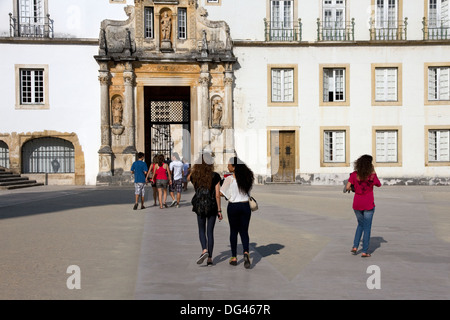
(236, 189)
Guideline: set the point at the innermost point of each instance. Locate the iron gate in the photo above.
(163, 115)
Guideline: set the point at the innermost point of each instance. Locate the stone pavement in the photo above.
(300, 246)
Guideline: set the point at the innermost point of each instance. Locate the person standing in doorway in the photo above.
(176, 167)
(162, 178)
(203, 177)
(236, 189)
(139, 169)
(363, 179)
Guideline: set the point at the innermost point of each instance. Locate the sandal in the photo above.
(365, 255)
(233, 261)
(354, 250)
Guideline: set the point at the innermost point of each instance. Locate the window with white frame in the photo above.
(282, 85)
(333, 19)
(438, 18)
(31, 17)
(334, 146)
(386, 23)
(32, 86)
(438, 145)
(282, 20)
(148, 22)
(386, 84)
(438, 83)
(386, 146)
(333, 84)
(182, 23)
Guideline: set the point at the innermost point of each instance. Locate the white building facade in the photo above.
(303, 88)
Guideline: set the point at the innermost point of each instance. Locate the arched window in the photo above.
(4, 155)
(48, 155)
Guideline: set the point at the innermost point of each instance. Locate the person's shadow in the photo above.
(262, 252)
(375, 243)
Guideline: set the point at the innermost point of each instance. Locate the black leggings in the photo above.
(239, 218)
(206, 232)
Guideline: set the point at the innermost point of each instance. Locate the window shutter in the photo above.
(443, 145)
(432, 145)
(432, 84)
(444, 83)
(288, 85)
(276, 85)
(340, 146)
(391, 84)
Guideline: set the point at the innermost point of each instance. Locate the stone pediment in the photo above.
(152, 32)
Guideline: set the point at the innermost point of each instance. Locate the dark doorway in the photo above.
(167, 122)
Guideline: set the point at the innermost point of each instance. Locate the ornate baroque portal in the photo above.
(166, 44)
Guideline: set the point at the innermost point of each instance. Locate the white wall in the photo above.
(251, 100)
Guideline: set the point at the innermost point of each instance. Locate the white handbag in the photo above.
(253, 204)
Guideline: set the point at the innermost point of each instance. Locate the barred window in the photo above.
(4, 155)
(182, 23)
(32, 86)
(48, 155)
(148, 22)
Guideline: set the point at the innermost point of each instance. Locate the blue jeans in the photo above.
(364, 218)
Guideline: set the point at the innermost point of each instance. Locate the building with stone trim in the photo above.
(297, 89)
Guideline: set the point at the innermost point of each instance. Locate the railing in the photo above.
(388, 30)
(436, 29)
(336, 30)
(279, 31)
(37, 27)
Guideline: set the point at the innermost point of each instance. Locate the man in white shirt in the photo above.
(176, 166)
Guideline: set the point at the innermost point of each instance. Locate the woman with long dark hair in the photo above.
(203, 176)
(236, 189)
(363, 179)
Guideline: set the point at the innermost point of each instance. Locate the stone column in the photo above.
(203, 99)
(228, 135)
(105, 152)
(129, 112)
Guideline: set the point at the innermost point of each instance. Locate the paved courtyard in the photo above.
(300, 246)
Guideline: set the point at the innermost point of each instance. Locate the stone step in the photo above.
(9, 180)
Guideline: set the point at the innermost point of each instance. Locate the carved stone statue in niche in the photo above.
(166, 30)
(216, 111)
(117, 110)
(166, 26)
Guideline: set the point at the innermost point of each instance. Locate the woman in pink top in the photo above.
(363, 179)
(162, 177)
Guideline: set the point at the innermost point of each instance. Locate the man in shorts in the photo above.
(176, 166)
(139, 169)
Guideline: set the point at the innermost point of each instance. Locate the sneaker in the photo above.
(142, 207)
(202, 258)
(135, 206)
(173, 203)
(246, 261)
